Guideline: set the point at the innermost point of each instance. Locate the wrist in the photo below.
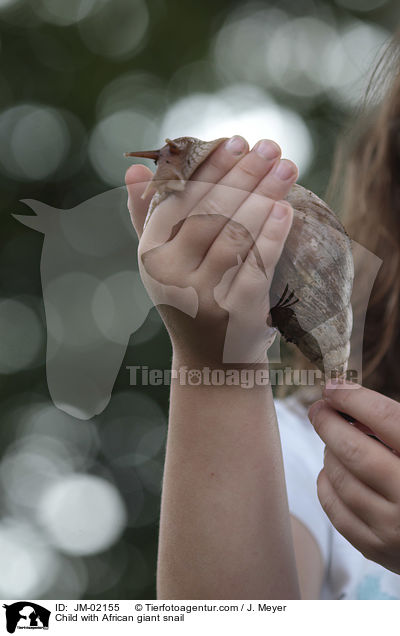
(197, 360)
(193, 371)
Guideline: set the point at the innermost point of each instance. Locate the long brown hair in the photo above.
(365, 189)
(367, 180)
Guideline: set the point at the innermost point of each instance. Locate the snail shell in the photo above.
(312, 284)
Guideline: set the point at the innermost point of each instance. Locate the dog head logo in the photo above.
(25, 614)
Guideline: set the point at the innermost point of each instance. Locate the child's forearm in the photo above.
(225, 528)
(207, 259)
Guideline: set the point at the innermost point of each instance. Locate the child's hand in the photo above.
(208, 254)
(359, 486)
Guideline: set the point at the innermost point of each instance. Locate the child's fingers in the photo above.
(344, 519)
(238, 202)
(137, 178)
(366, 504)
(233, 198)
(237, 236)
(277, 183)
(170, 213)
(235, 195)
(219, 240)
(273, 234)
(224, 157)
(363, 456)
(378, 412)
(252, 282)
(232, 189)
(214, 256)
(193, 240)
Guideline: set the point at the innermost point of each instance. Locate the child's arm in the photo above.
(225, 525)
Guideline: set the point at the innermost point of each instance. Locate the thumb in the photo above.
(136, 179)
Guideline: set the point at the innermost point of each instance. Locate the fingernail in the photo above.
(267, 149)
(314, 409)
(236, 145)
(284, 170)
(279, 211)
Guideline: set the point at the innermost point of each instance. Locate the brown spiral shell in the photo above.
(312, 284)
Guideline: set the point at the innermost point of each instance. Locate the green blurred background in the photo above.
(82, 81)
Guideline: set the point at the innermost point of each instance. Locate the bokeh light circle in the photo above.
(134, 428)
(117, 29)
(349, 62)
(35, 141)
(6, 4)
(22, 336)
(82, 514)
(240, 109)
(303, 57)
(40, 422)
(65, 13)
(290, 55)
(28, 565)
(140, 91)
(240, 45)
(72, 580)
(120, 132)
(29, 466)
(361, 5)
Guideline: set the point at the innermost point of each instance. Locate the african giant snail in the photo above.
(312, 284)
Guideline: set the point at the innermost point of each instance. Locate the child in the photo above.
(228, 530)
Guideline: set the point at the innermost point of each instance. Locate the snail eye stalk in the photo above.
(144, 154)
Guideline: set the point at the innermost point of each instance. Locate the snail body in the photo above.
(176, 162)
(312, 284)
